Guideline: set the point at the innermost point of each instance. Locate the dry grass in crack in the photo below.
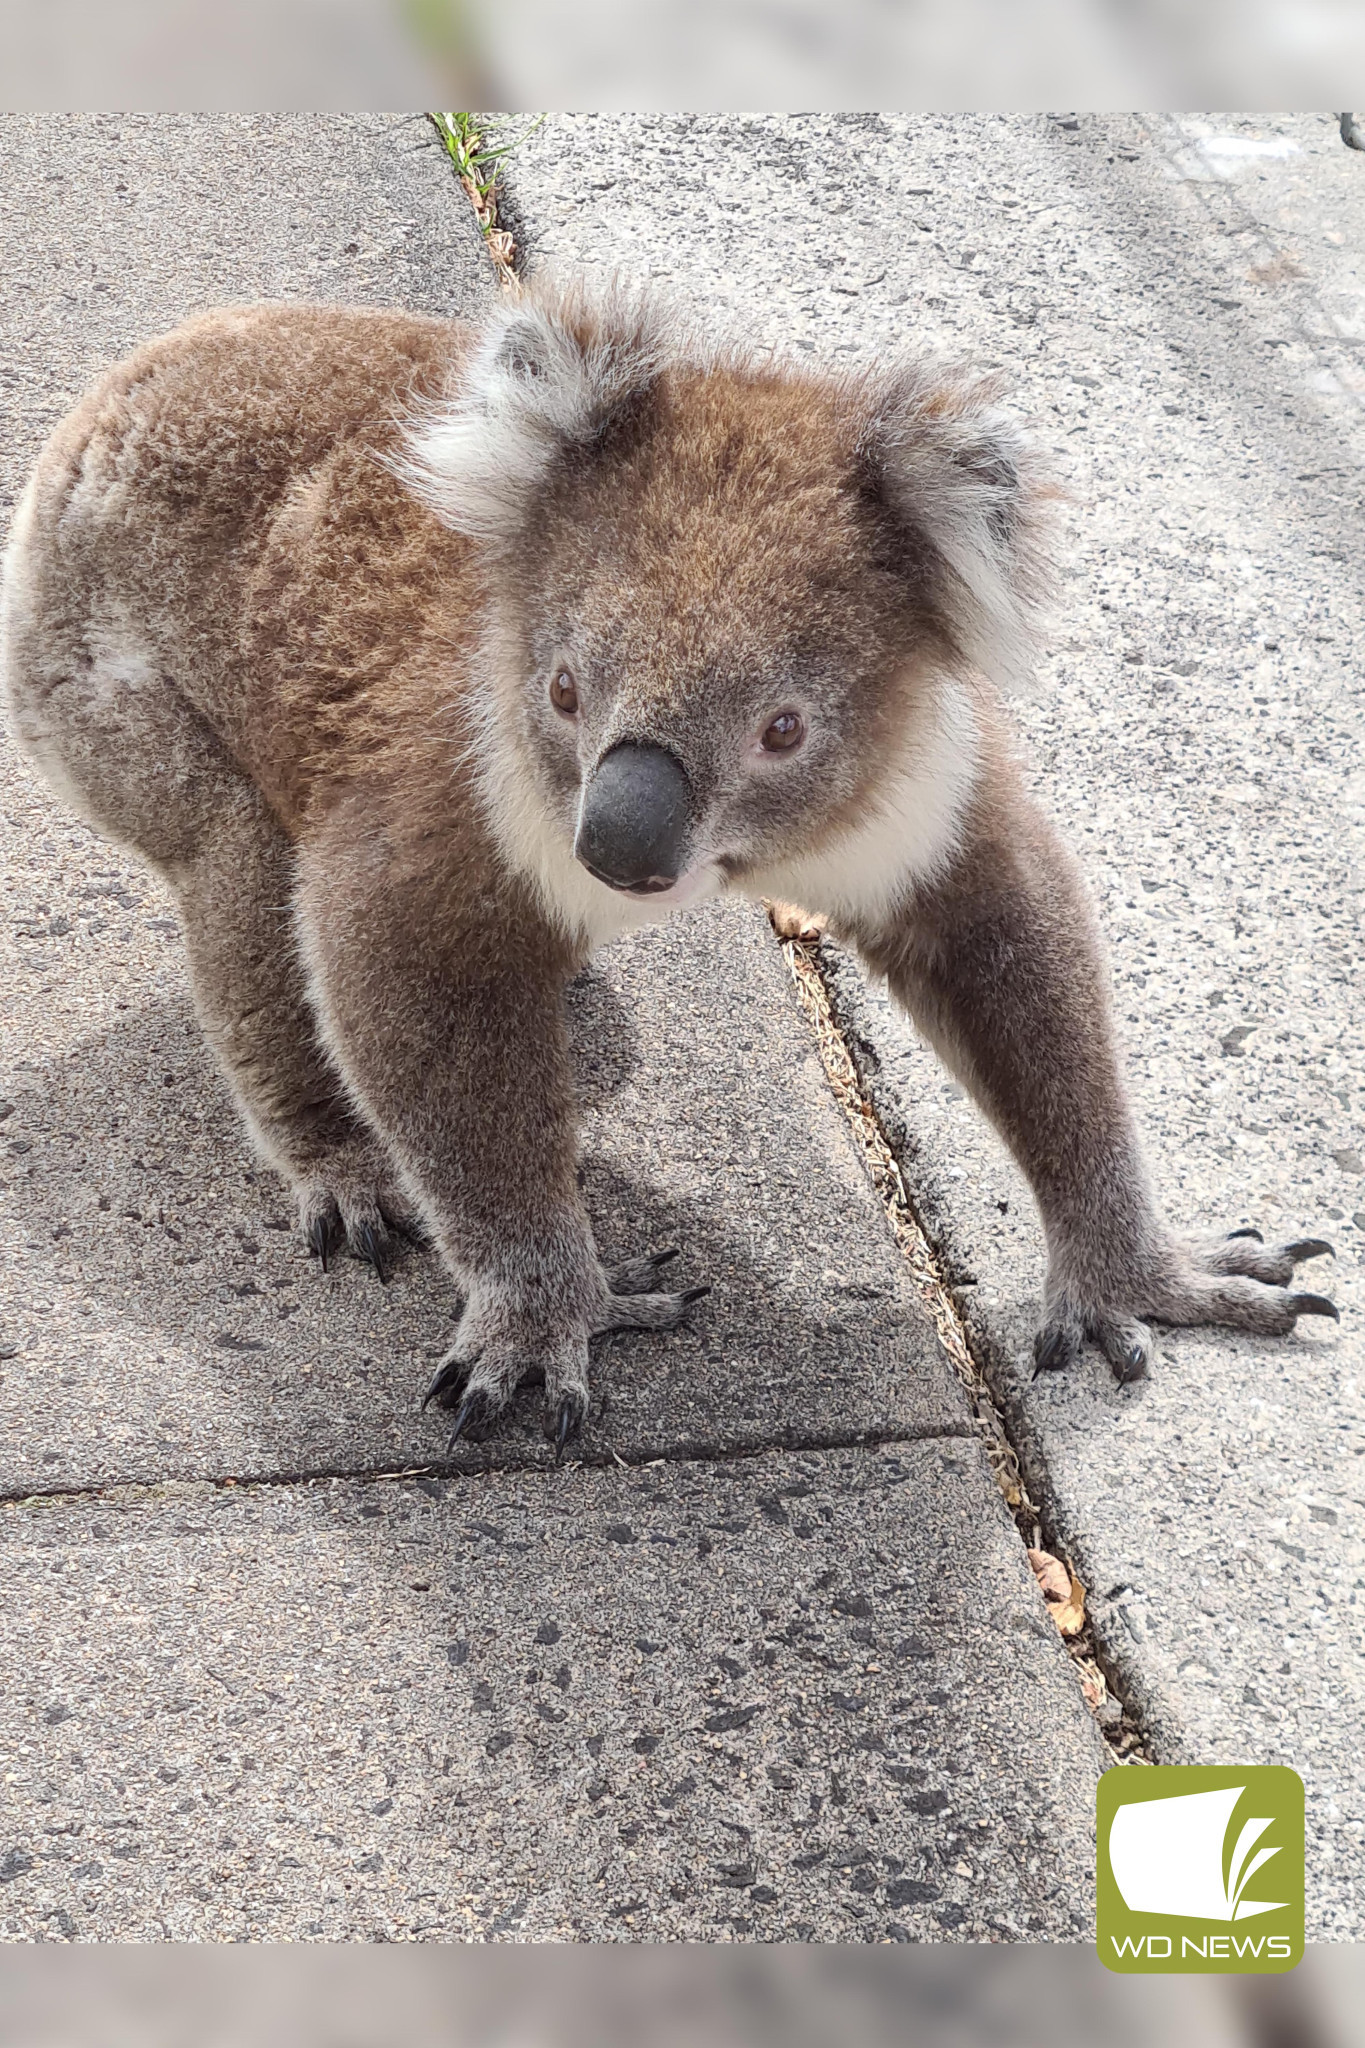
(890, 1185)
(478, 165)
(886, 1177)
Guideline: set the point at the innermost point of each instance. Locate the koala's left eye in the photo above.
(786, 731)
(564, 693)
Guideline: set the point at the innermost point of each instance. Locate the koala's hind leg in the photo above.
(234, 902)
(125, 750)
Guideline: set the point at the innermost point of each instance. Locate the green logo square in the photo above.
(1199, 1869)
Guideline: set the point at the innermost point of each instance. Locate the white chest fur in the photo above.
(908, 834)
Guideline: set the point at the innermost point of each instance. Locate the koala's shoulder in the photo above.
(219, 415)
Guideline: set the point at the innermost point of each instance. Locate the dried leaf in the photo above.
(1062, 1590)
(1070, 1615)
(1051, 1574)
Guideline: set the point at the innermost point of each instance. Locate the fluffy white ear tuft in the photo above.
(965, 479)
(547, 373)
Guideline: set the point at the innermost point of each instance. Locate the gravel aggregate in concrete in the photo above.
(115, 227)
(789, 1697)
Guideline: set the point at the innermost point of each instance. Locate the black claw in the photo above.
(1308, 1248)
(470, 1410)
(568, 1422)
(1131, 1366)
(1247, 1232)
(371, 1246)
(321, 1238)
(450, 1374)
(1314, 1305)
(1053, 1351)
(662, 1258)
(691, 1294)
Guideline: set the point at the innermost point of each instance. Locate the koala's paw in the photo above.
(790, 921)
(502, 1341)
(352, 1198)
(633, 1300)
(1237, 1280)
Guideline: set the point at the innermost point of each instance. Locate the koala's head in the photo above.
(724, 583)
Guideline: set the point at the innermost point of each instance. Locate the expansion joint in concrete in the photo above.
(930, 1267)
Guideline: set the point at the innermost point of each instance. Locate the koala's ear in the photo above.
(972, 496)
(545, 375)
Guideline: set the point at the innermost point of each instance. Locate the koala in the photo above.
(421, 659)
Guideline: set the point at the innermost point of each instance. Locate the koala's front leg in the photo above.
(1000, 963)
(439, 999)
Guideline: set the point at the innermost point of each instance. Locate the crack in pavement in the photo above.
(604, 1461)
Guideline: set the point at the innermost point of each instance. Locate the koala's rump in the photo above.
(215, 519)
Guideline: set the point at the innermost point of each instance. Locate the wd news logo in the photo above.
(1200, 1869)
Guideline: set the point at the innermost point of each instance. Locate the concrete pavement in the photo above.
(794, 1697)
(1181, 306)
(267, 1668)
(143, 1224)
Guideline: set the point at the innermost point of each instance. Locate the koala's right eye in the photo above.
(564, 693)
(786, 731)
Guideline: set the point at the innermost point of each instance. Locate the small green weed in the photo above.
(478, 162)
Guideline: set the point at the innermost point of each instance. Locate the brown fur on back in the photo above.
(233, 473)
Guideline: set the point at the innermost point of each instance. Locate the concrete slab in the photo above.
(783, 1697)
(161, 1317)
(113, 227)
(1180, 307)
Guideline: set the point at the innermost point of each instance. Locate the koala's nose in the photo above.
(634, 821)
